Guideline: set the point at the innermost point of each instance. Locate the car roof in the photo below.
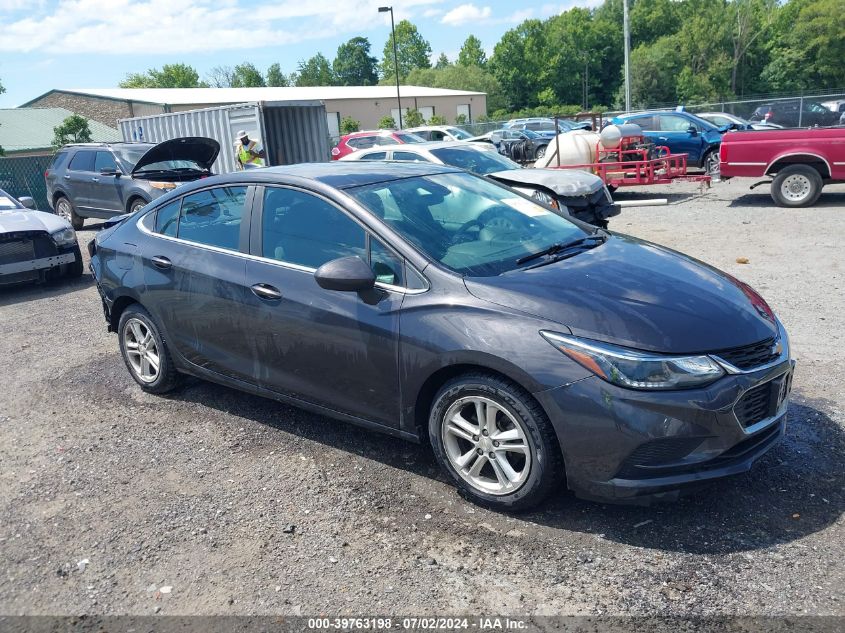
(334, 174)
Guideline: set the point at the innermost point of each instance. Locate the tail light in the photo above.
(335, 151)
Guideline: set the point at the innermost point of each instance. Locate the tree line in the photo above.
(683, 51)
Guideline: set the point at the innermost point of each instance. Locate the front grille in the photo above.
(756, 405)
(750, 356)
(18, 251)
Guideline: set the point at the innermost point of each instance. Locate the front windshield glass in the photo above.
(468, 224)
(408, 137)
(459, 134)
(130, 155)
(6, 202)
(478, 161)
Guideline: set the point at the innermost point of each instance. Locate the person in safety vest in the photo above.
(248, 152)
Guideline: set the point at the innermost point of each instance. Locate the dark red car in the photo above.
(365, 140)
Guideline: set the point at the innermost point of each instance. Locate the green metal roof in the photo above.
(30, 129)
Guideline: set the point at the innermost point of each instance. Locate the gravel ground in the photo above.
(211, 501)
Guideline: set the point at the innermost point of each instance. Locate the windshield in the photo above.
(529, 134)
(7, 202)
(459, 134)
(478, 161)
(470, 225)
(408, 137)
(130, 156)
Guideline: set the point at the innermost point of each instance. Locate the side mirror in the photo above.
(692, 130)
(109, 172)
(350, 274)
(28, 202)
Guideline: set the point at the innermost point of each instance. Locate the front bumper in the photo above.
(634, 446)
(33, 269)
(594, 208)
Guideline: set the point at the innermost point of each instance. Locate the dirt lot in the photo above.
(242, 505)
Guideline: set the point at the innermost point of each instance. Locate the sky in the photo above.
(46, 44)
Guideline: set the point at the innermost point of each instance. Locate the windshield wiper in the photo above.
(588, 241)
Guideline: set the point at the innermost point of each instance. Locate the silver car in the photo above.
(581, 193)
(35, 246)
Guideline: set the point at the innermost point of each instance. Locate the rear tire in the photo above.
(711, 163)
(145, 351)
(64, 209)
(797, 186)
(511, 460)
(541, 152)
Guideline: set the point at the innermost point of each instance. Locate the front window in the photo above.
(407, 137)
(468, 224)
(478, 161)
(6, 202)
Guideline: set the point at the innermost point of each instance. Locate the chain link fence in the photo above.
(24, 176)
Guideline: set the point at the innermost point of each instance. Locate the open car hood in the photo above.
(202, 151)
(15, 220)
(564, 182)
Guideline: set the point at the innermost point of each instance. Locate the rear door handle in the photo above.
(67, 176)
(266, 291)
(95, 180)
(161, 262)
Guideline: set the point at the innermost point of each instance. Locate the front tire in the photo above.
(64, 209)
(541, 152)
(495, 442)
(145, 351)
(137, 204)
(797, 186)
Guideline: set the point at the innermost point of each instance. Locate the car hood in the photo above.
(14, 220)
(564, 182)
(636, 294)
(198, 149)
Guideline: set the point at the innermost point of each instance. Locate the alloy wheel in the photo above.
(141, 350)
(486, 445)
(63, 210)
(796, 187)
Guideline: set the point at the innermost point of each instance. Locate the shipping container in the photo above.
(290, 131)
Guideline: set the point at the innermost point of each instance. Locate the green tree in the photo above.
(316, 71)
(471, 53)
(654, 72)
(220, 77)
(455, 77)
(276, 78)
(413, 118)
(442, 61)
(354, 66)
(412, 51)
(386, 123)
(349, 125)
(519, 62)
(461, 119)
(73, 129)
(246, 75)
(437, 119)
(170, 76)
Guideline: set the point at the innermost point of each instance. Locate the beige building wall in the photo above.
(370, 112)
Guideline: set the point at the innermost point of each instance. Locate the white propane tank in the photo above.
(577, 147)
(612, 135)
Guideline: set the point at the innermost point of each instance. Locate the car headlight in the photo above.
(64, 237)
(634, 369)
(165, 186)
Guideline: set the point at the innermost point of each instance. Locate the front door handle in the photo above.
(266, 291)
(95, 179)
(161, 262)
(67, 176)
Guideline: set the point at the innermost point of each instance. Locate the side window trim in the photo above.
(255, 246)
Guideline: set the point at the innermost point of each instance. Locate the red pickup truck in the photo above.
(799, 161)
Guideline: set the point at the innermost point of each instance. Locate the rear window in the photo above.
(82, 161)
(406, 137)
(59, 159)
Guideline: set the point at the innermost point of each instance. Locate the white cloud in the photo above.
(466, 13)
(186, 26)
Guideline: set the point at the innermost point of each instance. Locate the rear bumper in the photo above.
(630, 446)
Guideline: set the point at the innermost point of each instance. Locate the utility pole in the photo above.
(395, 59)
(626, 27)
